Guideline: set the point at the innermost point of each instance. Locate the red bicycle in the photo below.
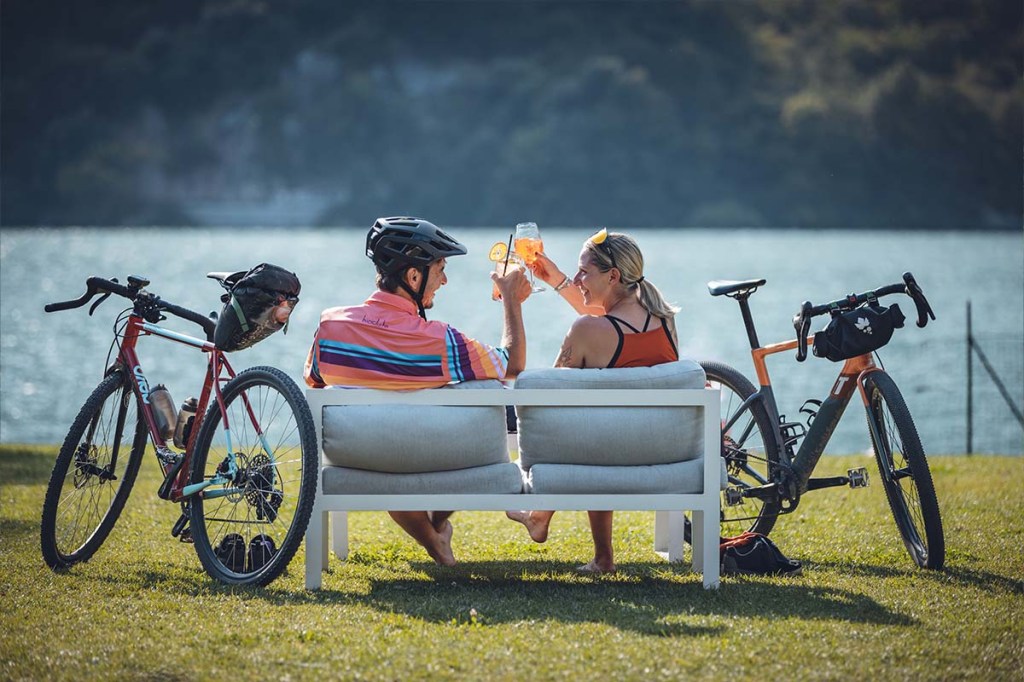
(246, 475)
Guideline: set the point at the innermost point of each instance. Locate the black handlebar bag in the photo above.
(258, 305)
(858, 331)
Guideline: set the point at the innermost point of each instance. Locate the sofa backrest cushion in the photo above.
(408, 439)
(616, 436)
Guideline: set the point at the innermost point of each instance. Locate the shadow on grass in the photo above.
(965, 577)
(19, 528)
(26, 465)
(646, 598)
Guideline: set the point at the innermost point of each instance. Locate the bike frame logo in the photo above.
(140, 379)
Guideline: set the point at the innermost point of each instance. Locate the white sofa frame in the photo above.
(330, 511)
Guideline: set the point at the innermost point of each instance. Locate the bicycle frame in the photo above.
(851, 377)
(218, 372)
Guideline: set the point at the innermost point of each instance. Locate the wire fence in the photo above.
(993, 393)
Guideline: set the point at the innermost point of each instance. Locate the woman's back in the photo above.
(645, 347)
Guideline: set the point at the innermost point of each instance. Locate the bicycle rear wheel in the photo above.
(904, 470)
(93, 474)
(748, 448)
(247, 531)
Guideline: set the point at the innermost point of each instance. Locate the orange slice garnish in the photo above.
(498, 252)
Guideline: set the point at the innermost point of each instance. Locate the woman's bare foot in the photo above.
(536, 527)
(438, 519)
(442, 553)
(594, 568)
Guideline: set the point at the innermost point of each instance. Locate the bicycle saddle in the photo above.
(717, 287)
(226, 279)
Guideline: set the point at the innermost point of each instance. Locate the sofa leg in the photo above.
(315, 549)
(704, 532)
(339, 530)
(668, 535)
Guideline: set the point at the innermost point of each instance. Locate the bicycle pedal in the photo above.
(733, 496)
(180, 527)
(164, 493)
(858, 477)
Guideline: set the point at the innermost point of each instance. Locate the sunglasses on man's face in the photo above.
(600, 240)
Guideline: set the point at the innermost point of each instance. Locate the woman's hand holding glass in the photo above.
(546, 271)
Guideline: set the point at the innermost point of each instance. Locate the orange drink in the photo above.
(528, 248)
(527, 245)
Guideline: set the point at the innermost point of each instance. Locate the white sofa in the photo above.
(615, 439)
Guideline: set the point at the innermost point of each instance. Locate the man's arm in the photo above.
(515, 289)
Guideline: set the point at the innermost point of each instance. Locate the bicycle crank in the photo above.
(855, 478)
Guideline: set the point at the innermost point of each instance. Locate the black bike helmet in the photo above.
(403, 242)
(396, 243)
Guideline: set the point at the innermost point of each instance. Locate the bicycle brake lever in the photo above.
(99, 300)
(924, 310)
(802, 323)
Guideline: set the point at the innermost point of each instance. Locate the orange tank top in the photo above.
(642, 348)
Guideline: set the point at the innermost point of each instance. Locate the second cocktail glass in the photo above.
(527, 245)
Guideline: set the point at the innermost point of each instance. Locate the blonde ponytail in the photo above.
(621, 251)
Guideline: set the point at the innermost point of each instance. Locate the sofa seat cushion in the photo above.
(611, 436)
(679, 478)
(497, 479)
(405, 439)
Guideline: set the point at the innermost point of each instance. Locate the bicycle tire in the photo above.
(267, 505)
(76, 520)
(750, 461)
(904, 471)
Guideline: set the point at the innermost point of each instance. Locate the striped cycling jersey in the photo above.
(384, 343)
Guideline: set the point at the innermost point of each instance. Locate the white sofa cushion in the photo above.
(576, 479)
(611, 436)
(415, 439)
(496, 479)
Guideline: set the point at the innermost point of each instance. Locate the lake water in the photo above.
(50, 362)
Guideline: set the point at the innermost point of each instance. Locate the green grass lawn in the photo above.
(143, 607)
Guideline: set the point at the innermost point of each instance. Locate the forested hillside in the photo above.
(775, 113)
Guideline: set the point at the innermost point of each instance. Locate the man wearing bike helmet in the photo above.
(388, 343)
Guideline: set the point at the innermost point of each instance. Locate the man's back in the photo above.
(383, 343)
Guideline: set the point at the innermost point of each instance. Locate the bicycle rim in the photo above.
(904, 472)
(93, 474)
(247, 530)
(748, 450)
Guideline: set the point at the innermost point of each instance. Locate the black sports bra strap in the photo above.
(618, 330)
(647, 322)
(614, 320)
(670, 341)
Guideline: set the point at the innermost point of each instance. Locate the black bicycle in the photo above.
(767, 471)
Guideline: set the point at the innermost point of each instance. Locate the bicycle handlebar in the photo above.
(909, 286)
(147, 305)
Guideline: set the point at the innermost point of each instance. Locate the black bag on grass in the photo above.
(754, 554)
(858, 331)
(258, 305)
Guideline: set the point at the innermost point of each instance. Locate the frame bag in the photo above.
(257, 305)
(855, 332)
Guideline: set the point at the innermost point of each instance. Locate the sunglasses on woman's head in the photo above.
(600, 240)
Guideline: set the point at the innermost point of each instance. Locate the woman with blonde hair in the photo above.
(624, 322)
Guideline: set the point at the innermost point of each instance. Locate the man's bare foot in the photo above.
(537, 529)
(443, 552)
(593, 568)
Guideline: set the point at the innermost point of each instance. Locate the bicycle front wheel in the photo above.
(247, 530)
(749, 449)
(94, 473)
(904, 471)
